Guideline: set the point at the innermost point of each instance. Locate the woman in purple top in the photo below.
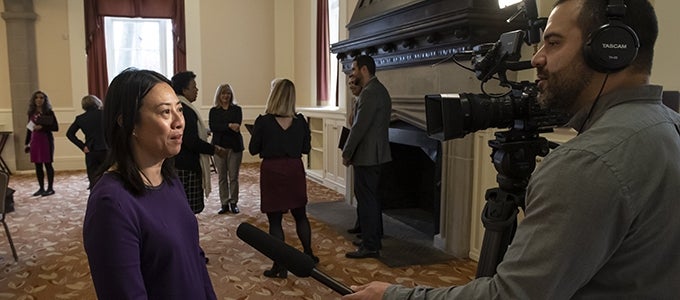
(40, 141)
(140, 236)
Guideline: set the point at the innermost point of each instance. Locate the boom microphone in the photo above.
(292, 259)
(298, 263)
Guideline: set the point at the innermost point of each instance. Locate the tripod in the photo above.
(514, 156)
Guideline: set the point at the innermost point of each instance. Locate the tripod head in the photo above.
(514, 155)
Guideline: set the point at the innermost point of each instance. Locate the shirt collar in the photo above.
(639, 93)
(372, 79)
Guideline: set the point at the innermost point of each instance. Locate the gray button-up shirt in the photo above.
(602, 216)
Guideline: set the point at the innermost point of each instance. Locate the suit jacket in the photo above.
(368, 141)
(90, 123)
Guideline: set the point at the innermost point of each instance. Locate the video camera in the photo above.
(513, 151)
(450, 116)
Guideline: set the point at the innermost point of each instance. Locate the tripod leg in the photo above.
(500, 220)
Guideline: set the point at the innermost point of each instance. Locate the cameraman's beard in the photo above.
(564, 88)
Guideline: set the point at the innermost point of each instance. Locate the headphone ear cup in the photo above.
(611, 48)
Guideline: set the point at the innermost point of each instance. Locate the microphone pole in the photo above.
(292, 259)
(328, 281)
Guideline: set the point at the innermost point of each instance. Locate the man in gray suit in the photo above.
(367, 148)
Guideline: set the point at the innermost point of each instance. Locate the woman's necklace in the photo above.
(147, 181)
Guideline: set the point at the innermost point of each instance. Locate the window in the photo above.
(142, 43)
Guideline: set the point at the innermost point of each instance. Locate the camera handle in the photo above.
(514, 156)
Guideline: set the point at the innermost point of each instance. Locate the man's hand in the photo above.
(221, 152)
(86, 150)
(346, 162)
(372, 291)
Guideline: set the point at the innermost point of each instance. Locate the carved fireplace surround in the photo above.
(412, 42)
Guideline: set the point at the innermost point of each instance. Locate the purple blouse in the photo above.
(144, 247)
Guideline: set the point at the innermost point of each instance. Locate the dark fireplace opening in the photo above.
(410, 183)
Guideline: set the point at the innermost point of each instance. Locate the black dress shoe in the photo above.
(354, 230)
(39, 192)
(314, 258)
(48, 193)
(223, 210)
(359, 236)
(277, 271)
(359, 241)
(363, 253)
(234, 208)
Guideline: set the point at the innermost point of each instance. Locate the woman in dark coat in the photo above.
(94, 146)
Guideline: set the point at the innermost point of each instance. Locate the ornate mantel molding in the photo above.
(401, 33)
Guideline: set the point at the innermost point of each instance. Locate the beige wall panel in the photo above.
(237, 48)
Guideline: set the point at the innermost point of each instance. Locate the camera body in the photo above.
(450, 116)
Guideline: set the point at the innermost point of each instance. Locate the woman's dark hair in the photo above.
(124, 98)
(32, 107)
(181, 80)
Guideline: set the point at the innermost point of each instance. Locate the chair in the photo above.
(4, 182)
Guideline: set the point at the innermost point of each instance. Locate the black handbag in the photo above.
(45, 120)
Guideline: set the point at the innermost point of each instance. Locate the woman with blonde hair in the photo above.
(225, 124)
(280, 137)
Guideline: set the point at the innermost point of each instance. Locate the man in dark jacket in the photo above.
(367, 149)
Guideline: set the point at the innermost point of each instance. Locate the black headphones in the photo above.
(614, 45)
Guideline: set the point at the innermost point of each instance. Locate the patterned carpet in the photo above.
(47, 233)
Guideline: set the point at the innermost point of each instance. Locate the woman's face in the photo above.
(225, 96)
(158, 135)
(39, 99)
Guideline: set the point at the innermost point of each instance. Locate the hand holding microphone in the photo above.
(295, 261)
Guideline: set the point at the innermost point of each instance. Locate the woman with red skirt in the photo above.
(280, 137)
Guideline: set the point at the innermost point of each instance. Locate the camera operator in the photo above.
(601, 211)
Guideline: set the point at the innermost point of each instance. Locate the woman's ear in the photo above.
(119, 120)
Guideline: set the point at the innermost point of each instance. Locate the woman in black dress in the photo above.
(280, 137)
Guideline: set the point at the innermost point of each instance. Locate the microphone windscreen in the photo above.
(295, 261)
